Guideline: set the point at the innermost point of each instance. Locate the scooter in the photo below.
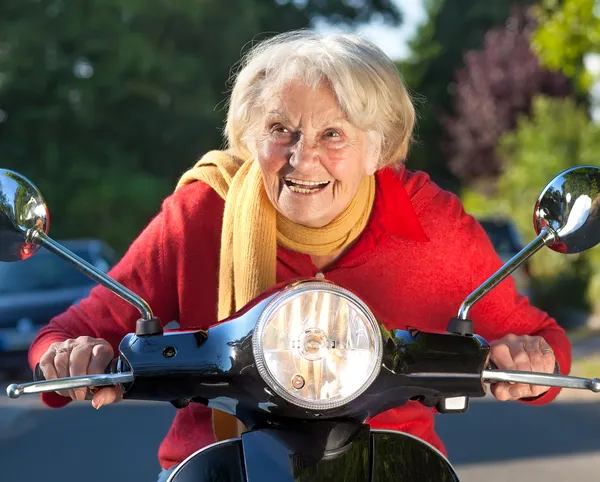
(306, 363)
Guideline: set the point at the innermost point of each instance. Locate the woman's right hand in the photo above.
(78, 357)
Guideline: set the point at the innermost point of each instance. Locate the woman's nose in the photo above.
(303, 155)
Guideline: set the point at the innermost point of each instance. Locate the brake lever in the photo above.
(86, 381)
(543, 379)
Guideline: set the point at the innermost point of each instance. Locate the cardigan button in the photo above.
(320, 276)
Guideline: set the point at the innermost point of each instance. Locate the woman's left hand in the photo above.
(526, 353)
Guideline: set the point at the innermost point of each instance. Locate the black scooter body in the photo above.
(370, 456)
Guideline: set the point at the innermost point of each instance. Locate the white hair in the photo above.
(365, 81)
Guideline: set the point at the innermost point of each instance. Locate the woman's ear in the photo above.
(371, 168)
(373, 154)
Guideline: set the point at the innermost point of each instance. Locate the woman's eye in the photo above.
(280, 129)
(332, 134)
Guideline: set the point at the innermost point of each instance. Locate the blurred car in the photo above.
(37, 289)
(506, 240)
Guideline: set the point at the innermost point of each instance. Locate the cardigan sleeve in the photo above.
(504, 310)
(151, 268)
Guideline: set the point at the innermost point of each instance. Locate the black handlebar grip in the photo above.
(38, 375)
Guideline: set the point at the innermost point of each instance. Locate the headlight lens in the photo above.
(317, 345)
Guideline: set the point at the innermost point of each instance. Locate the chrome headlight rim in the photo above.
(273, 305)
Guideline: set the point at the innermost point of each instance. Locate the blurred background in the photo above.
(104, 103)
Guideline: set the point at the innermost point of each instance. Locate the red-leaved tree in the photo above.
(493, 89)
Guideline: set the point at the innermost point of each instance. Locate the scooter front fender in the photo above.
(373, 456)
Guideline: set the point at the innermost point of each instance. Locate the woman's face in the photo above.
(312, 159)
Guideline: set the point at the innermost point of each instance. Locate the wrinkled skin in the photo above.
(306, 136)
(77, 357)
(527, 353)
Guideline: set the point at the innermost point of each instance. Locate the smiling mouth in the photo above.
(305, 187)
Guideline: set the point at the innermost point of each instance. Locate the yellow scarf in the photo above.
(252, 229)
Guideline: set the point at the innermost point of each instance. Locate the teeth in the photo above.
(302, 190)
(307, 183)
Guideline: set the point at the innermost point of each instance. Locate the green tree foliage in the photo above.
(494, 88)
(452, 29)
(569, 30)
(104, 103)
(556, 136)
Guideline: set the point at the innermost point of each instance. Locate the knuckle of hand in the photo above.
(47, 358)
(61, 359)
(503, 395)
(519, 391)
(104, 346)
(77, 359)
(500, 350)
(101, 351)
(62, 369)
(54, 348)
(537, 358)
(496, 345)
(521, 357)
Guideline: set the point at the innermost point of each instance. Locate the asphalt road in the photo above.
(493, 441)
(509, 441)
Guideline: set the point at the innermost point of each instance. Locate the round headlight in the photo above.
(317, 345)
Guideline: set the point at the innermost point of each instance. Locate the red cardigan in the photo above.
(415, 262)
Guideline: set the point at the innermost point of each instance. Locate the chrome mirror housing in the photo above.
(23, 211)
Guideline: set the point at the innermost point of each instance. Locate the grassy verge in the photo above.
(582, 334)
(587, 367)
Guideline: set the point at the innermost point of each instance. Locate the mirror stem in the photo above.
(545, 237)
(40, 238)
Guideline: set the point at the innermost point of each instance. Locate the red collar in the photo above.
(394, 208)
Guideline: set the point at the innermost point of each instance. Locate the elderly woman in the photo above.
(312, 184)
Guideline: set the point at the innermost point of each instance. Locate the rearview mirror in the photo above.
(23, 212)
(570, 206)
(24, 226)
(566, 219)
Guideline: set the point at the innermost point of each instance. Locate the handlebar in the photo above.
(113, 377)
